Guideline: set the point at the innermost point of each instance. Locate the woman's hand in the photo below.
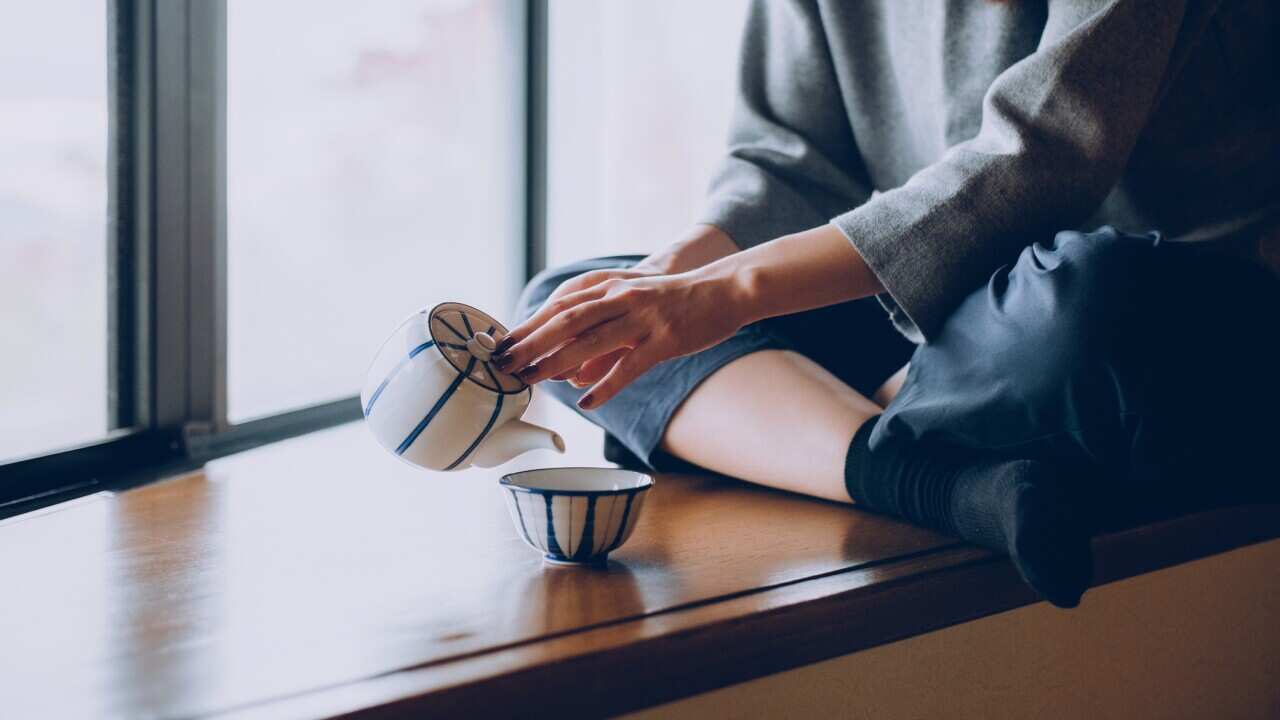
(619, 324)
(593, 370)
(703, 244)
(611, 328)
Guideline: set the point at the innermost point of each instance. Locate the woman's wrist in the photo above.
(793, 273)
(735, 287)
(704, 244)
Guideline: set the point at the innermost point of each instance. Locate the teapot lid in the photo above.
(466, 337)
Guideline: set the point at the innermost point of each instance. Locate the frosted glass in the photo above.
(53, 224)
(640, 95)
(374, 167)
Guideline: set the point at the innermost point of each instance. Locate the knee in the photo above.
(1059, 307)
(1075, 283)
(1093, 262)
(544, 283)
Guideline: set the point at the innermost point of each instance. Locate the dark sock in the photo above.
(1017, 507)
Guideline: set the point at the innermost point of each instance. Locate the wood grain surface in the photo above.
(322, 576)
(325, 560)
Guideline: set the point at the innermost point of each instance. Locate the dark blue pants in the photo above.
(1132, 358)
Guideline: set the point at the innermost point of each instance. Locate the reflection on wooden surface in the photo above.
(324, 560)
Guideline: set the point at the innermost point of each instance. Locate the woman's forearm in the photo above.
(793, 273)
(702, 245)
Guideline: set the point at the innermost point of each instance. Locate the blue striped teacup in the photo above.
(575, 516)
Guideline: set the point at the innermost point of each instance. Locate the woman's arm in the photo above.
(1057, 131)
(703, 244)
(634, 323)
(792, 162)
(799, 272)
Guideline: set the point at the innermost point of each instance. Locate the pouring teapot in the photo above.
(433, 398)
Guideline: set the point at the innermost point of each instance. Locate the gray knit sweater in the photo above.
(942, 136)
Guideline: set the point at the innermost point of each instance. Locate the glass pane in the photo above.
(374, 168)
(640, 96)
(53, 212)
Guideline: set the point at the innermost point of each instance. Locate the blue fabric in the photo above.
(1131, 358)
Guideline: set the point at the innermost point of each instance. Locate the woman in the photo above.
(925, 153)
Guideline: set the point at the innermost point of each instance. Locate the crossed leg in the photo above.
(1048, 368)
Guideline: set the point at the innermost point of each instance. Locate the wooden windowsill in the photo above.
(320, 576)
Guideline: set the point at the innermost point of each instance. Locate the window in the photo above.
(373, 168)
(53, 226)
(639, 100)
(213, 211)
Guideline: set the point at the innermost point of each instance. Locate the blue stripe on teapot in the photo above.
(432, 397)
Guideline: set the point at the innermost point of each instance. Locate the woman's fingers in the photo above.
(556, 301)
(599, 340)
(592, 370)
(631, 366)
(549, 310)
(559, 299)
(565, 326)
(590, 279)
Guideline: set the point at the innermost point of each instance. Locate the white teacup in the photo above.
(575, 516)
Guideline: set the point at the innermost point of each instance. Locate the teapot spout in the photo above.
(513, 438)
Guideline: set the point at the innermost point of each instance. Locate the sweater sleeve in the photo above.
(1057, 130)
(790, 144)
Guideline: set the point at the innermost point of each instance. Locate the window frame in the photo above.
(167, 250)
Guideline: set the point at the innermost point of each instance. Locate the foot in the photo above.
(1044, 532)
(1021, 507)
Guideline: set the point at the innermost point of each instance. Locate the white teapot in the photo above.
(433, 398)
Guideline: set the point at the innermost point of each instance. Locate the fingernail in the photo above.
(526, 373)
(586, 401)
(502, 362)
(504, 344)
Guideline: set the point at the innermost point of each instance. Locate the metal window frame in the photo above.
(129, 214)
(167, 251)
(190, 327)
(536, 22)
(133, 440)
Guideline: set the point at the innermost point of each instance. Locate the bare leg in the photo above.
(777, 418)
(889, 390)
(791, 431)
